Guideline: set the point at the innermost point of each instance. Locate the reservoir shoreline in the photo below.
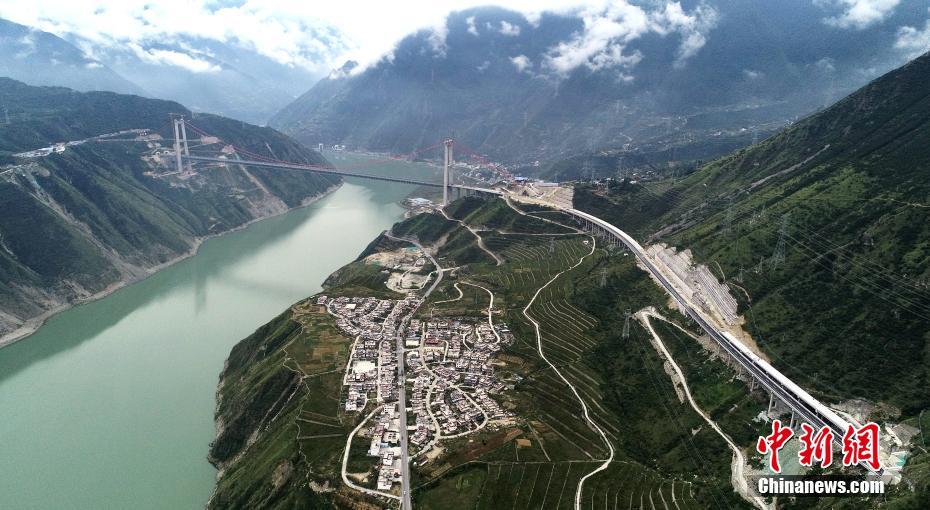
(31, 325)
(134, 376)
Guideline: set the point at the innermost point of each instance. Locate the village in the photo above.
(451, 371)
(452, 360)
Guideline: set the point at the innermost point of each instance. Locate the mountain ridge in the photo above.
(498, 93)
(110, 213)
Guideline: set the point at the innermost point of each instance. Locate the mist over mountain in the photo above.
(226, 78)
(41, 58)
(652, 76)
(210, 76)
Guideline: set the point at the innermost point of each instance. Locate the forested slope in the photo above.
(97, 214)
(823, 231)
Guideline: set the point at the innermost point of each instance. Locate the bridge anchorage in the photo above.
(184, 161)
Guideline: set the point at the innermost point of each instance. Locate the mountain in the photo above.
(283, 423)
(822, 231)
(96, 213)
(41, 58)
(210, 76)
(705, 76)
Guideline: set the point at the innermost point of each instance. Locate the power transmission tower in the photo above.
(728, 219)
(587, 170)
(779, 256)
(603, 277)
(626, 323)
(6, 116)
(741, 275)
(755, 136)
(551, 246)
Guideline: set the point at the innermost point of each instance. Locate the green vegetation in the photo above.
(282, 386)
(664, 450)
(76, 222)
(621, 380)
(845, 313)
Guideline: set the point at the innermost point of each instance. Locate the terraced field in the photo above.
(553, 446)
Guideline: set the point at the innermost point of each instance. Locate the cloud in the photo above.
(608, 31)
(522, 63)
(318, 36)
(472, 29)
(913, 41)
(437, 39)
(510, 30)
(752, 75)
(27, 44)
(282, 30)
(858, 14)
(692, 27)
(826, 64)
(174, 58)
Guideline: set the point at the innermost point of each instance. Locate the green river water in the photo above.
(110, 405)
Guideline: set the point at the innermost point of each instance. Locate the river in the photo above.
(110, 404)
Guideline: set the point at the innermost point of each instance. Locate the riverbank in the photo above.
(31, 325)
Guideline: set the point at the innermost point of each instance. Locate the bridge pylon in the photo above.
(180, 141)
(446, 170)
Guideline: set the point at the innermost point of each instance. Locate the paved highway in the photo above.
(402, 394)
(796, 398)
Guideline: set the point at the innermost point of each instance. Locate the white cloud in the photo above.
(93, 65)
(315, 35)
(826, 64)
(858, 14)
(609, 30)
(509, 29)
(174, 58)
(913, 41)
(472, 29)
(28, 46)
(522, 63)
(437, 39)
(484, 66)
(692, 27)
(752, 75)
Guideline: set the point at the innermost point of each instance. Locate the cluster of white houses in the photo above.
(372, 370)
(453, 363)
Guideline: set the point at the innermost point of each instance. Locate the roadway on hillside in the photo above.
(402, 394)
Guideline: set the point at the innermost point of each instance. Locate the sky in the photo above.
(321, 35)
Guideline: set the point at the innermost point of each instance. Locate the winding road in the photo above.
(584, 405)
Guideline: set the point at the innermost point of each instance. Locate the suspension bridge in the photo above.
(184, 159)
(801, 404)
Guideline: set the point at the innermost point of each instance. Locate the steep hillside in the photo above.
(41, 58)
(520, 90)
(280, 442)
(100, 213)
(824, 233)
